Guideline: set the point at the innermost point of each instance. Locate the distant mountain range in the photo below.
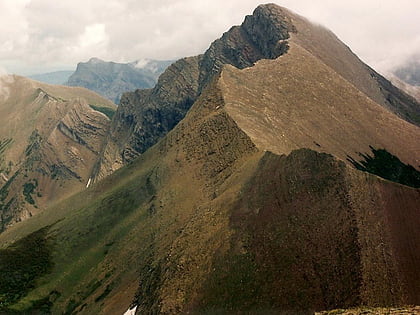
(57, 77)
(111, 79)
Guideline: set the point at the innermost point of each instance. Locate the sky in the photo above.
(39, 36)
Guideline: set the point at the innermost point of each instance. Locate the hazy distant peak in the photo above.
(95, 60)
(111, 79)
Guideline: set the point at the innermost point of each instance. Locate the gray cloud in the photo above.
(46, 35)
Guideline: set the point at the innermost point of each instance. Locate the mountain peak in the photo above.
(95, 60)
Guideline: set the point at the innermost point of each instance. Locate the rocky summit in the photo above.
(274, 174)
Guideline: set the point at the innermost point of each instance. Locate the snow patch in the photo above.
(131, 311)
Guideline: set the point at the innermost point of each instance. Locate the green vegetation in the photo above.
(21, 264)
(109, 112)
(28, 190)
(388, 166)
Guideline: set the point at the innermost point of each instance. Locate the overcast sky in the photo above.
(39, 36)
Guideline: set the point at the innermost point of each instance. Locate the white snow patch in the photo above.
(131, 311)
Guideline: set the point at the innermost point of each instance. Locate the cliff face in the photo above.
(144, 117)
(262, 35)
(51, 140)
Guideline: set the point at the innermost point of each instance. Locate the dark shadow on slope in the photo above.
(295, 247)
(21, 264)
(388, 166)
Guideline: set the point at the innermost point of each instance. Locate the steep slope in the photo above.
(266, 34)
(236, 210)
(111, 79)
(323, 44)
(306, 104)
(50, 139)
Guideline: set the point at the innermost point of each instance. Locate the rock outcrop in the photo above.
(144, 116)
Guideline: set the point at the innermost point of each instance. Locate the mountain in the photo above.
(50, 137)
(262, 199)
(145, 116)
(111, 79)
(57, 77)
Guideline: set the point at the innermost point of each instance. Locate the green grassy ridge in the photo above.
(388, 166)
(91, 234)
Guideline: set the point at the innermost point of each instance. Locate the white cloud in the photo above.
(40, 35)
(94, 35)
